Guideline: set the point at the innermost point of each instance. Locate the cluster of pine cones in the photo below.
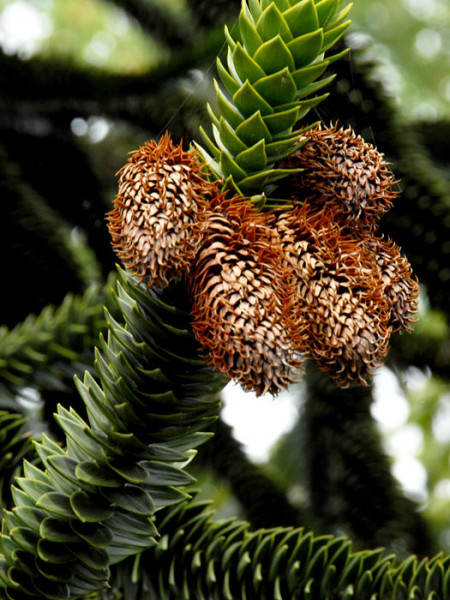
(270, 289)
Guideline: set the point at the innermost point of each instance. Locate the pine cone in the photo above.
(155, 224)
(340, 295)
(400, 286)
(343, 173)
(242, 300)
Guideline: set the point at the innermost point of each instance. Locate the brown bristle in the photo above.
(344, 173)
(400, 286)
(242, 300)
(155, 225)
(340, 295)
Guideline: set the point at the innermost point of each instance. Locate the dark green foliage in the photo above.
(201, 558)
(15, 444)
(91, 503)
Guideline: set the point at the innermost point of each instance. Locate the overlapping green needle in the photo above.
(276, 53)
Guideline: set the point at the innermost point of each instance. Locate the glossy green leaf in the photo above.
(230, 167)
(33, 487)
(26, 538)
(131, 524)
(250, 37)
(136, 543)
(253, 129)
(65, 467)
(95, 558)
(94, 474)
(274, 56)
(131, 498)
(312, 88)
(21, 498)
(276, 151)
(276, 174)
(56, 503)
(210, 161)
(281, 122)
(192, 440)
(95, 534)
(33, 472)
(342, 14)
(231, 85)
(326, 9)
(230, 139)
(271, 23)
(90, 508)
(55, 572)
(306, 48)
(334, 57)
(302, 18)
(254, 158)
(278, 88)
(78, 432)
(248, 101)
(11, 520)
(30, 516)
(232, 69)
(257, 181)
(282, 4)
(57, 530)
(8, 547)
(129, 470)
(210, 144)
(245, 66)
(306, 105)
(332, 35)
(306, 75)
(230, 40)
(227, 109)
(255, 8)
(165, 495)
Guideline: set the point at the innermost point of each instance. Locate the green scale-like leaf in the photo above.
(225, 560)
(274, 62)
(92, 502)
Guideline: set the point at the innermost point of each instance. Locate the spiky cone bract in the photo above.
(242, 300)
(341, 299)
(400, 286)
(155, 224)
(275, 56)
(92, 503)
(343, 173)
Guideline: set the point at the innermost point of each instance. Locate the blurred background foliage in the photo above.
(85, 82)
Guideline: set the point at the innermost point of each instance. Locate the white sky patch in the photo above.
(258, 422)
(442, 489)
(406, 441)
(441, 420)
(22, 28)
(428, 43)
(95, 128)
(412, 476)
(390, 407)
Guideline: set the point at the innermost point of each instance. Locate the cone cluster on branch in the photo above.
(272, 288)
